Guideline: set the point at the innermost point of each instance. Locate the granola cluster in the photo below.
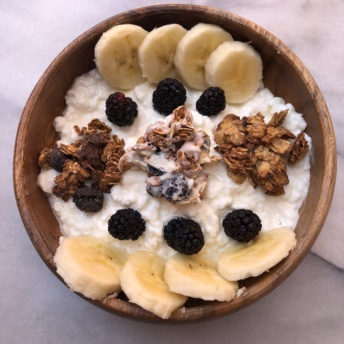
(173, 154)
(259, 151)
(93, 159)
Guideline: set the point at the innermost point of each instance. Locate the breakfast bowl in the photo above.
(283, 74)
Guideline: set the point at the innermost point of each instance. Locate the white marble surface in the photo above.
(36, 308)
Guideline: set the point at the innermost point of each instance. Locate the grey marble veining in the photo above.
(36, 308)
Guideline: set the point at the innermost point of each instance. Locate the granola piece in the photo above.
(157, 135)
(90, 154)
(44, 158)
(198, 189)
(255, 127)
(299, 149)
(154, 181)
(114, 149)
(69, 180)
(96, 125)
(95, 157)
(280, 132)
(183, 115)
(87, 150)
(209, 159)
(97, 139)
(277, 118)
(182, 134)
(251, 148)
(230, 131)
(111, 156)
(181, 128)
(136, 155)
(160, 128)
(239, 160)
(172, 148)
(71, 149)
(280, 146)
(125, 164)
(188, 164)
(166, 137)
(237, 177)
(109, 177)
(270, 172)
(202, 139)
(223, 148)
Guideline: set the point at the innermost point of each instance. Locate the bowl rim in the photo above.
(304, 244)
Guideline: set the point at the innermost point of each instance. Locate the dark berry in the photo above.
(120, 110)
(57, 159)
(169, 94)
(176, 188)
(242, 225)
(154, 171)
(88, 199)
(126, 224)
(211, 102)
(184, 235)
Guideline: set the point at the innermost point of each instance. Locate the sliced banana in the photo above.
(236, 68)
(258, 256)
(157, 51)
(142, 280)
(193, 51)
(194, 277)
(116, 55)
(90, 266)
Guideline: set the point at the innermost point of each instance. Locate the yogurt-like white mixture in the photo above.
(86, 100)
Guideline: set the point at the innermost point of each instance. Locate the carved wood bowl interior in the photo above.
(284, 75)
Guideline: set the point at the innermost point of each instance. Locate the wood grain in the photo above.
(284, 75)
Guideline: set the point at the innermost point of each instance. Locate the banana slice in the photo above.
(193, 51)
(142, 280)
(116, 55)
(156, 52)
(196, 278)
(258, 256)
(90, 266)
(236, 68)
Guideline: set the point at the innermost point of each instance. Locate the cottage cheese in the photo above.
(86, 100)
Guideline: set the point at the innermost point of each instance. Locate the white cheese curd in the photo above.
(86, 100)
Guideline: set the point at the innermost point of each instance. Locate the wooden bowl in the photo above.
(284, 75)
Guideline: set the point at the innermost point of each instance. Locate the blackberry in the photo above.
(169, 94)
(211, 102)
(176, 188)
(184, 235)
(120, 110)
(242, 225)
(126, 224)
(88, 199)
(57, 159)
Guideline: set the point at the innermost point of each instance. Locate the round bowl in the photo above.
(284, 75)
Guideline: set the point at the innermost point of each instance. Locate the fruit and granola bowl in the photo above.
(174, 162)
